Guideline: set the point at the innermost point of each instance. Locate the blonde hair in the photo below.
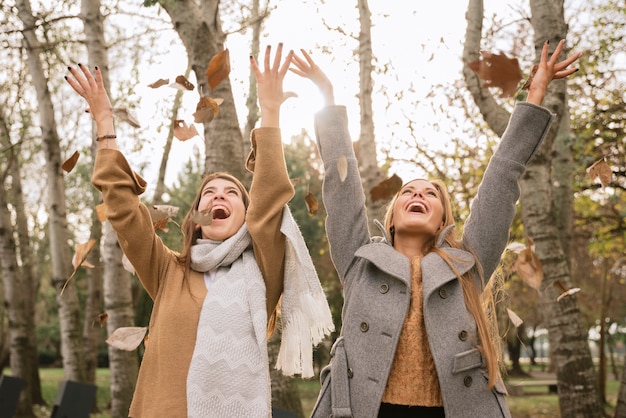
(480, 304)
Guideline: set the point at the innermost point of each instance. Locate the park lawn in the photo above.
(533, 405)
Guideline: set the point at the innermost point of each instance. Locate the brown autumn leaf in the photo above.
(101, 212)
(203, 217)
(101, 319)
(125, 114)
(386, 188)
(342, 167)
(528, 266)
(184, 82)
(529, 81)
(206, 109)
(515, 319)
(160, 82)
(160, 218)
(218, 69)
(127, 338)
(70, 163)
(82, 251)
(182, 131)
(601, 170)
(564, 291)
(311, 203)
(498, 70)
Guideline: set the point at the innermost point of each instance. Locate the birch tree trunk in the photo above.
(577, 384)
(17, 282)
(69, 309)
(367, 155)
(118, 300)
(200, 29)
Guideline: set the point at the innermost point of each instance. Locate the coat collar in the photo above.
(380, 253)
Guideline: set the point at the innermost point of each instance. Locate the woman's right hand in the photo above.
(92, 90)
(308, 69)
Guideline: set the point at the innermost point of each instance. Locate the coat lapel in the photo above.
(387, 259)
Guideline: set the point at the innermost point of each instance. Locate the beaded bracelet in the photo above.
(109, 136)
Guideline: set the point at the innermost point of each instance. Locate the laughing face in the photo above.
(418, 209)
(227, 207)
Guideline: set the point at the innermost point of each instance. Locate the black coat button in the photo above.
(364, 327)
(463, 335)
(350, 372)
(443, 293)
(384, 288)
(467, 381)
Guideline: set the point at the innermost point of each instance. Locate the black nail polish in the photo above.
(96, 67)
(65, 77)
(69, 68)
(80, 65)
(548, 42)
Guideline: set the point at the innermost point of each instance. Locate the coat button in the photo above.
(443, 293)
(350, 372)
(463, 335)
(384, 288)
(364, 327)
(467, 381)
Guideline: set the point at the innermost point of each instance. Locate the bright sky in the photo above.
(421, 41)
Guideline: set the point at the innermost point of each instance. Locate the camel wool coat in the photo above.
(161, 389)
(377, 282)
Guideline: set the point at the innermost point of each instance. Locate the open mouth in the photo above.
(220, 212)
(417, 207)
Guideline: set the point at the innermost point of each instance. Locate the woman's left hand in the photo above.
(270, 85)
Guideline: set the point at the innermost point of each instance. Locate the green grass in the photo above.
(531, 405)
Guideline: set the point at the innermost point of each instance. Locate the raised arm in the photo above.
(344, 200)
(271, 188)
(486, 230)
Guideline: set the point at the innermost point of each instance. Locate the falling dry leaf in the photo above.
(564, 291)
(160, 218)
(182, 131)
(169, 209)
(516, 247)
(184, 82)
(342, 167)
(498, 70)
(206, 109)
(127, 338)
(101, 212)
(218, 69)
(101, 319)
(128, 266)
(386, 188)
(160, 82)
(82, 251)
(600, 169)
(124, 114)
(529, 81)
(203, 217)
(515, 319)
(70, 163)
(528, 266)
(311, 203)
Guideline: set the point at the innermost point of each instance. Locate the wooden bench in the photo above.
(517, 388)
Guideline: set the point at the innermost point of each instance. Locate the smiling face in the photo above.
(226, 202)
(417, 211)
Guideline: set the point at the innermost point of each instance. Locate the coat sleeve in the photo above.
(270, 191)
(344, 200)
(131, 220)
(486, 230)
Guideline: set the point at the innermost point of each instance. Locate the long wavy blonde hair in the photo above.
(479, 303)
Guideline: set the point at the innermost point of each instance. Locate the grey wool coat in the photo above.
(377, 282)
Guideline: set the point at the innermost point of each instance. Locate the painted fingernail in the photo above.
(96, 67)
(65, 77)
(69, 68)
(548, 41)
(80, 65)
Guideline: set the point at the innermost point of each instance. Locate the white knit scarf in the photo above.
(228, 374)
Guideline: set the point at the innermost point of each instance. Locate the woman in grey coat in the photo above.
(415, 340)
